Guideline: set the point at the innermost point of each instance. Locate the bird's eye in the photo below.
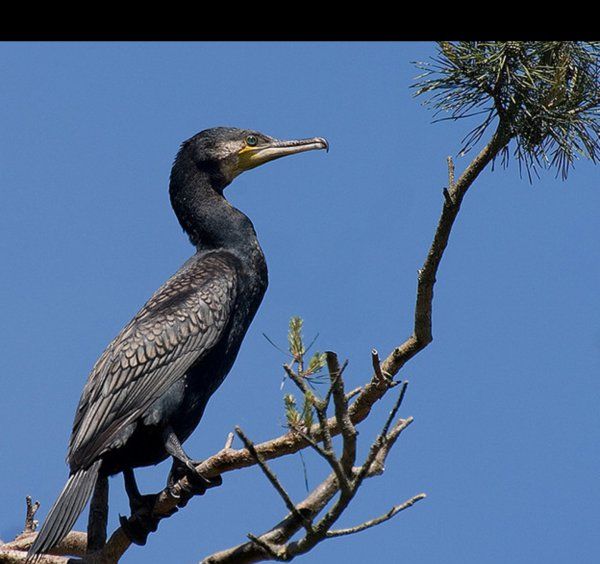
(251, 140)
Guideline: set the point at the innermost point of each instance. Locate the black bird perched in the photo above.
(147, 392)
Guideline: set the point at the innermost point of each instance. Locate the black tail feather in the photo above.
(66, 509)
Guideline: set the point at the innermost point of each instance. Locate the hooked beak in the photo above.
(251, 157)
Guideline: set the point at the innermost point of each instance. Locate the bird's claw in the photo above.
(138, 527)
(142, 521)
(198, 483)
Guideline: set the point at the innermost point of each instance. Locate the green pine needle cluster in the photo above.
(298, 351)
(545, 95)
(308, 370)
(291, 412)
(296, 345)
(305, 417)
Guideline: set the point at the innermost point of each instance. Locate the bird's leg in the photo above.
(183, 465)
(142, 522)
(137, 501)
(96, 529)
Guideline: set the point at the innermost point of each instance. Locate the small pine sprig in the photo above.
(308, 410)
(295, 341)
(309, 371)
(298, 351)
(295, 418)
(291, 413)
(316, 363)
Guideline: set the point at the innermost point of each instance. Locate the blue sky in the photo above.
(505, 400)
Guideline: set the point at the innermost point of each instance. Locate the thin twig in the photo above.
(327, 455)
(378, 465)
(394, 411)
(377, 365)
(381, 439)
(353, 393)
(378, 520)
(334, 462)
(451, 181)
(229, 441)
(298, 380)
(274, 480)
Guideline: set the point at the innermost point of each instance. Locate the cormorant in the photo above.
(147, 392)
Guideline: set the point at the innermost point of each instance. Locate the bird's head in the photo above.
(226, 152)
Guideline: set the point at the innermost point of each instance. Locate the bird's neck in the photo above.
(210, 221)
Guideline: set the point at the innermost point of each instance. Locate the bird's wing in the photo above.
(182, 321)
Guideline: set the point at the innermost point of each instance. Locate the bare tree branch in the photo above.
(270, 550)
(341, 413)
(274, 544)
(273, 480)
(74, 543)
(382, 439)
(378, 520)
(8, 556)
(284, 530)
(422, 334)
(30, 521)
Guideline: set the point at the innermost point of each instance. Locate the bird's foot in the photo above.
(137, 528)
(183, 465)
(198, 483)
(142, 521)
